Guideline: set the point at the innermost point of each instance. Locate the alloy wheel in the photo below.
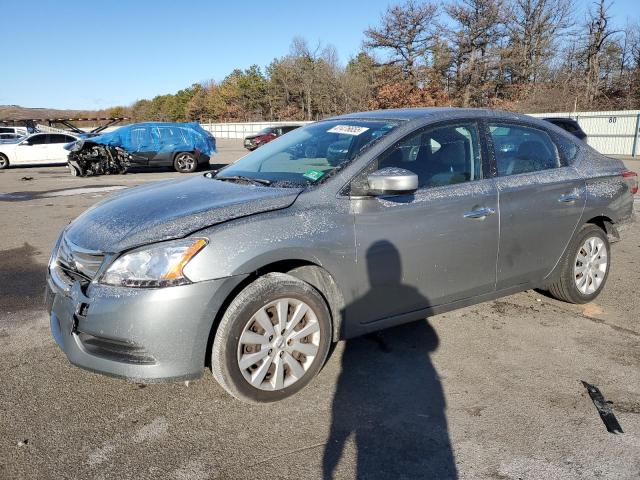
(185, 162)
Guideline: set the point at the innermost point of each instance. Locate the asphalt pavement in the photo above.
(489, 391)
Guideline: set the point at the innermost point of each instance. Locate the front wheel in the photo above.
(272, 340)
(4, 162)
(584, 268)
(185, 163)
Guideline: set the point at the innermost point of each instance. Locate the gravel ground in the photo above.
(489, 391)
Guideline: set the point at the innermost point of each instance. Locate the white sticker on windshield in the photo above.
(348, 129)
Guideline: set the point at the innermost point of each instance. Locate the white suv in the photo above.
(37, 148)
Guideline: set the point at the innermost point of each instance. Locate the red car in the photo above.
(251, 142)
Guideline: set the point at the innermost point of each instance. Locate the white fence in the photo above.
(611, 133)
(241, 130)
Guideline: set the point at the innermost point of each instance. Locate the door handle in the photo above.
(569, 197)
(480, 213)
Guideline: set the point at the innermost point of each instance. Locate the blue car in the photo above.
(182, 146)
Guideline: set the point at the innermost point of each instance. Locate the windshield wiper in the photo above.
(235, 178)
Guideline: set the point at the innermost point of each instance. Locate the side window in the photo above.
(56, 138)
(440, 156)
(521, 149)
(68, 139)
(38, 140)
(140, 139)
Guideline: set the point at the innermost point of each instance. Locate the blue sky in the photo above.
(86, 55)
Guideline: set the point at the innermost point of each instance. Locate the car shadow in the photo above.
(389, 399)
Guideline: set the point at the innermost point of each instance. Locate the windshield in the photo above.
(308, 154)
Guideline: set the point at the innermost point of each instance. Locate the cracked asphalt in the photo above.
(489, 391)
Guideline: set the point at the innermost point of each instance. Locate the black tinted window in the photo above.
(520, 149)
(441, 156)
(68, 139)
(38, 140)
(6, 130)
(56, 138)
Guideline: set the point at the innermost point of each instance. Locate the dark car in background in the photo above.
(182, 146)
(570, 125)
(251, 142)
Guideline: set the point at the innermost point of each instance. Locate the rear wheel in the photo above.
(4, 161)
(185, 162)
(584, 268)
(272, 340)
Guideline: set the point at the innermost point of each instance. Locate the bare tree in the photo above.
(598, 32)
(407, 31)
(479, 25)
(535, 28)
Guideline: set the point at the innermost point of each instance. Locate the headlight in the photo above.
(155, 266)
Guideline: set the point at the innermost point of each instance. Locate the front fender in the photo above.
(243, 246)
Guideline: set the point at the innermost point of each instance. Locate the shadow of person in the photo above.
(389, 397)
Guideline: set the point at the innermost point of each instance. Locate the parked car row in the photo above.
(182, 146)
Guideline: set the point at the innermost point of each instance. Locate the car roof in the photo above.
(560, 119)
(437, 113)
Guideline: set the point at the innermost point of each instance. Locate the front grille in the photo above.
(74, 263)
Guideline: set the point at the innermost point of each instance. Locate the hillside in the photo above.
(16, 112)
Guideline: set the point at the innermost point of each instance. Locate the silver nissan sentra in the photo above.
(343, 227)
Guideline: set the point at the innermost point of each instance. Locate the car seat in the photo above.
(531, 157)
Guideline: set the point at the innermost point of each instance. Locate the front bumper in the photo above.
(144, 335)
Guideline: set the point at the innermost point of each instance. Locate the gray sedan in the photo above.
(340, 228)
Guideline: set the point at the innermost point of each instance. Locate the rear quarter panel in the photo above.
(608, 194)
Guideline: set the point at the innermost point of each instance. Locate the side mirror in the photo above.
(392, 180)
(26, 142)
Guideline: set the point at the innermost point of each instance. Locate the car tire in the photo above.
(584, 268)
(284, 362)
(185, 162)
(4, 162)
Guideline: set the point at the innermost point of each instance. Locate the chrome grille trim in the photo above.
(78, 261)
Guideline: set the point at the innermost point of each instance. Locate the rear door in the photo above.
(433, 247)
(171, 139)
(57, 154)
(33, 149)
(541, 202)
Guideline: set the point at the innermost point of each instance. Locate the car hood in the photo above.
(169, 210)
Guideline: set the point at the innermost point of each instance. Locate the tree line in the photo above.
(520, 55)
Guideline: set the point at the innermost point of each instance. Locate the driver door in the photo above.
(142, 145)
(437, 245)
(34, 149)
